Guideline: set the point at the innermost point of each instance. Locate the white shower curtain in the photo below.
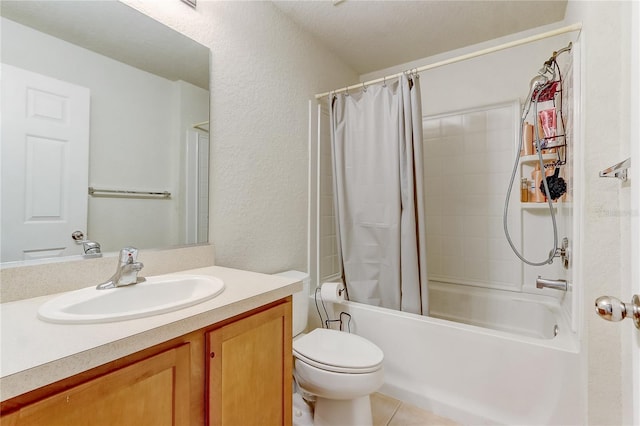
(376, 137)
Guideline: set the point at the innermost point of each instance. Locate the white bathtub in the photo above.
(518, 313)
(516, 372)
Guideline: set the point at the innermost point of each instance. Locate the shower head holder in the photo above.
(563, 252)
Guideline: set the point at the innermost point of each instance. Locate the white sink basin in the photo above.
(156, 295)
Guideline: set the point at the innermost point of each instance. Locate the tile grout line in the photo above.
(394, 413)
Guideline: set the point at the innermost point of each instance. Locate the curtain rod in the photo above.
(477, 53)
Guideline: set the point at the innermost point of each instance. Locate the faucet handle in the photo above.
(128, 255)
(91, 247)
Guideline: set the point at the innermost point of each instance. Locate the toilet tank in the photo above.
(300, 300)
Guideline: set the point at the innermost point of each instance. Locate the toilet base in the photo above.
(302, 411)
(343, 412)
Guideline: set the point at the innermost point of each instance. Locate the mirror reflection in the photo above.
(98, 95)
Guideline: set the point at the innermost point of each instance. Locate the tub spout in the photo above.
(554, 284)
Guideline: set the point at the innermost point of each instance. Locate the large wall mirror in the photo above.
(96, 95)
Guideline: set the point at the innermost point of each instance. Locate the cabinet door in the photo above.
(249, 371)
(153, 392)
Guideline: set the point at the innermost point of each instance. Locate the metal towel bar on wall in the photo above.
(617, 170)
(116, 193)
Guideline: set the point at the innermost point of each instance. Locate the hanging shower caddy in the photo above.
(554, 146)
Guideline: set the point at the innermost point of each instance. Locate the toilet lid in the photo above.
(339, 351)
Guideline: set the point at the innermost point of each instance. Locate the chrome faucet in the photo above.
(554, 284)
(91, 248)
(126, 272)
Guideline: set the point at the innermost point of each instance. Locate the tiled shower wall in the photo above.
(329, 266)
(468, 158)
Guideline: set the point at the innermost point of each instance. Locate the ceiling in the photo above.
(374, 35)
(367, 35)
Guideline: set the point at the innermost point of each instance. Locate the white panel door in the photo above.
(45, 153)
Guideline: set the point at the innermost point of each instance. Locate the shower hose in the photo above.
(544, 180)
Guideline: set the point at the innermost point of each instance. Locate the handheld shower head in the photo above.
(536, 84)
(538, 80)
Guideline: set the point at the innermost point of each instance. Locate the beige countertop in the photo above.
(35, 353)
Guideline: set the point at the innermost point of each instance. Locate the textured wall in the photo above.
(606, 223)
(264, 71)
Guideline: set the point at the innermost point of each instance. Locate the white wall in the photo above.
(264, 71)
(633, 286)
(134, 141)
(606, 210)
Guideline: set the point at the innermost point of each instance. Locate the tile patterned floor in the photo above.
(388, 411)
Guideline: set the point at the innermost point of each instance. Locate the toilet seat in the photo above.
(338, 351)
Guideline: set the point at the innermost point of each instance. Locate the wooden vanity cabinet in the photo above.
(234, 373)
(154, 391)
(249, 374)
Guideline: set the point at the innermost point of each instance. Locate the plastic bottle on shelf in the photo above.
(527, 139)
(536, 196)
(524, 190)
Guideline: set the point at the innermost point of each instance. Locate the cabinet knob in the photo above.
(212, 354)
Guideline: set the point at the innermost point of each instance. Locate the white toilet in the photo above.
(340, 370)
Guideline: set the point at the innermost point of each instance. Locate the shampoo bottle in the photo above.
(536, 177)
(524, 190)
(527, 139)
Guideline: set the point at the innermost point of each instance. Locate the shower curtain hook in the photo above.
(384, 81)
(364, 88)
